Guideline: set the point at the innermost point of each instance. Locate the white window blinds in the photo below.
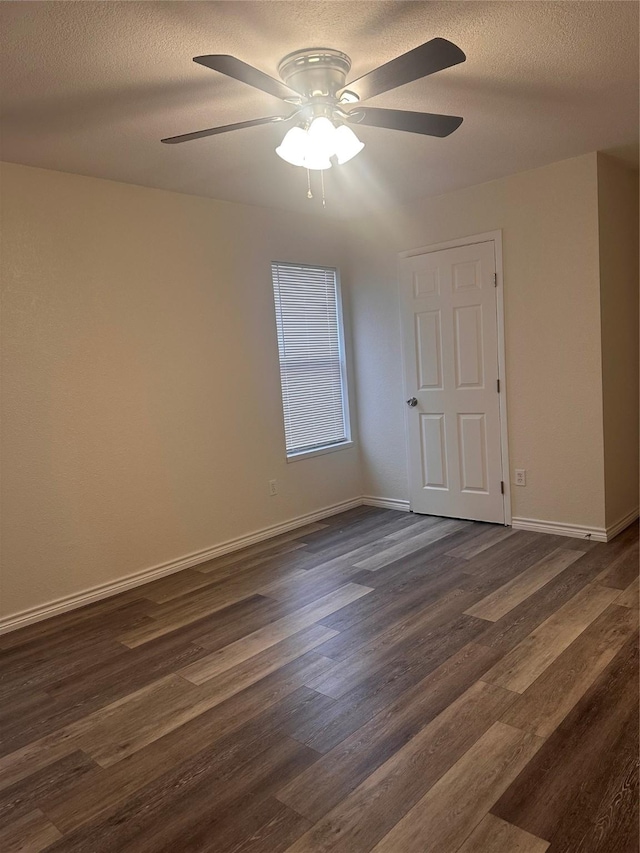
(312, 374)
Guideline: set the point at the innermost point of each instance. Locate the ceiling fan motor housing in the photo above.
(315, 72)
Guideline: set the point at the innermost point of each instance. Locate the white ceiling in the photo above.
(92, 87)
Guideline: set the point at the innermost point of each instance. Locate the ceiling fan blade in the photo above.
(430, 124)
(428, 58)
(225, 128)
(239, 70)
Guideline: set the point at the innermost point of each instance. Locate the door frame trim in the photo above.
(486, 237)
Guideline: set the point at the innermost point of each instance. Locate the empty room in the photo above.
(319, 449)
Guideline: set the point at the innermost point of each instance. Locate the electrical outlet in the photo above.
(521, 477)
(273, 487)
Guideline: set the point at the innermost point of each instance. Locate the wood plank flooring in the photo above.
(380, 681)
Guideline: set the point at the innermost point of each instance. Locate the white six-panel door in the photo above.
(450, 348)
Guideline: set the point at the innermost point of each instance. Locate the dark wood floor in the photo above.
(382, 681)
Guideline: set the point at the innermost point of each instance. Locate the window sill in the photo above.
(319, 451)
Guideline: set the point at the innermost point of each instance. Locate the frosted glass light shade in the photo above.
(313, 148)
(322, 134)
(320, 144)
(316, 160)
(301, 149)
(293, 146)
(346, 144)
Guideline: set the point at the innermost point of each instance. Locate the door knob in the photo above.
(412, 402)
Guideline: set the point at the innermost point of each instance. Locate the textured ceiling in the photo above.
(92, 87)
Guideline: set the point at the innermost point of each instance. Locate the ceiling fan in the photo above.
(313, 81)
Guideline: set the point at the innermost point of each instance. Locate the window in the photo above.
(312, 366)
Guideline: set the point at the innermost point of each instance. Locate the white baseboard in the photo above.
(577, 531)
(387, 503)
(105, 590)
(96, 593)
(622, 524)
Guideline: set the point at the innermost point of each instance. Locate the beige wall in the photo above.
(142, 415)
(618, 231)
(141, 399)
(552, 306)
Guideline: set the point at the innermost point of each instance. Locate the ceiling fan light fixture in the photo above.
(300, 147)
(346, 144)
(314, 148)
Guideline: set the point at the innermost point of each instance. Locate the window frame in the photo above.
(295, 456)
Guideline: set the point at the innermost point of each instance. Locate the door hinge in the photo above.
(495, 279)
(502, 487)
(498, 385)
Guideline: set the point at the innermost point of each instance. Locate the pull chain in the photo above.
(309, 193)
